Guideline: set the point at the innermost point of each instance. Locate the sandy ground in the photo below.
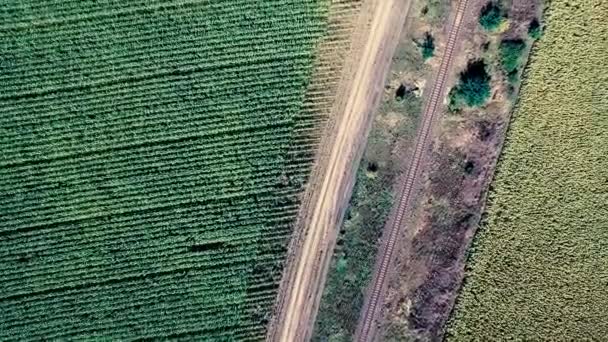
(331, 188)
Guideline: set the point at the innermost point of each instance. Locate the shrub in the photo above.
(491, 16)
(473, 88)
(534, 29)
(427, 46)
(510, 54)
(513, 77)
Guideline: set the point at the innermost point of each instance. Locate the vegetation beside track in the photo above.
(393, 128)
(467, 143)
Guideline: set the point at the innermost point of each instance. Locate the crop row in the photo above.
(146, 305)
(218, 83)
(242, 158)
(133, 29)
(119, 238)
(128, 138)
(171, 229)
(113, 202)
(140, 27)
(226, 39)
(63, 309)
(140, 128)
(173, 222)
(190, 65)
(133, 300)
(161, 116)
(128, 294)
(194, 315)
(138, 266)
(183, 279)
(107, 252)
(123, 134)
(108, 68)
(213, 299)
(147, 207)
(123, 164)
(54, 13)
(156, 241)
(236, 174)
(238, 206)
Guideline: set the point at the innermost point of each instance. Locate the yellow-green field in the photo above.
(539, 267)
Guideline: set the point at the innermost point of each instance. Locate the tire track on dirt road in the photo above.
(306, 281)
(366, 329)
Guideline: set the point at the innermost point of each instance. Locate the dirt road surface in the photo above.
(367, 327)
(305, 276)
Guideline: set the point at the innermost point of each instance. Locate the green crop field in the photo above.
(148, 182)
(538, 270)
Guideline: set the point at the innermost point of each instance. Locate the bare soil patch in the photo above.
(465, 151)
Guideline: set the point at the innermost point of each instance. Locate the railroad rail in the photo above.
(377, 290)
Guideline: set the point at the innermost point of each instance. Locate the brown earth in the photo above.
(432, 260)
(408, 183)
(331, 182)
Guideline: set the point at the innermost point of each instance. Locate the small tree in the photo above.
(473, 90)
(427, 46)
(491, 16)
(534, 29)
(510, 54)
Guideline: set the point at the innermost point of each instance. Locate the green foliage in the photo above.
(147, 192)
(537, 271)
(511, 52)
(513, 77)
(473, 88)
(353, 260)
(535, 30)
(372, 198)
(427, 46)
(491, 16)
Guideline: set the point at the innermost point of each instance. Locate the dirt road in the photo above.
(305, 277)
(366, 330)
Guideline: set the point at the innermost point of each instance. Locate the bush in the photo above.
(510, 54)
(473, 88)
(427, 46)
(513, 77)
(534, 29)
(491, 16)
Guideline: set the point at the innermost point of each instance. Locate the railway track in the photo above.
(377, 290)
